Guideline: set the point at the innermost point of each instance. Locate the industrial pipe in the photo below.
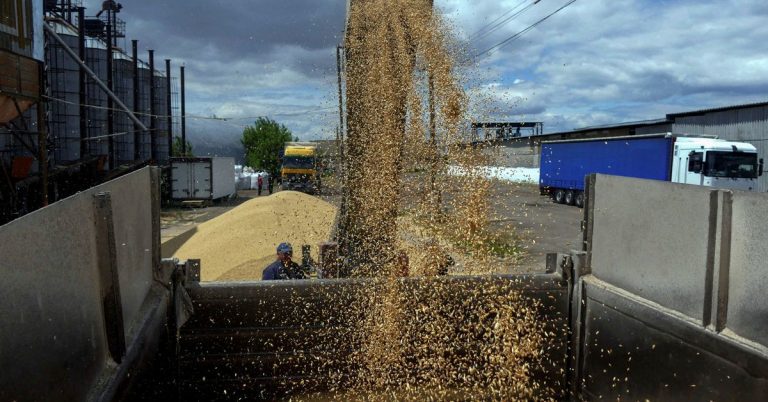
(94, 77)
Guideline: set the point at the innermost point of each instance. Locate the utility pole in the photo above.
(435, 157)
(340, 134)
(153, 154)
(81, 83)
(183, 115)
(169, 106)
(136, 99)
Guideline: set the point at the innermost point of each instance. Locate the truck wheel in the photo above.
(570, 197)
(559, 196)
(580, 199)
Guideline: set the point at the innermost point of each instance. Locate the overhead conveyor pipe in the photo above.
(94, 77)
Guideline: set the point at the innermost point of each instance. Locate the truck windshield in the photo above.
(731, 164)
(297, 162)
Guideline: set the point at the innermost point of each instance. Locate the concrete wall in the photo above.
(134, 239)
(650, 238)
(695, 250)
(676, 294)
(519, 152)
(747, 276)
(682, 246)
(51, 320)
(56, 265)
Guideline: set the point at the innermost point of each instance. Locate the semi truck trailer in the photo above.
(202, 179)
(678, 158)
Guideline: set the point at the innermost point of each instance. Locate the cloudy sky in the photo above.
(593, 62)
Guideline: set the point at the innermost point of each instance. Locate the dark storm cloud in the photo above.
(259, 31)
(596, 62)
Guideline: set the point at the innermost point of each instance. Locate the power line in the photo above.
(97, 107)
(521, 33)
(101, 137)
(506, 21)
(197, 117)
(483, 28)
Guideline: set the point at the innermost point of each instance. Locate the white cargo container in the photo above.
(202, 178)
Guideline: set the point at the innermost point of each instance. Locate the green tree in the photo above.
(176, 150)
(264, 143)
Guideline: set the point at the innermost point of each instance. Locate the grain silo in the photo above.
(161, 121)
(96, 99)
(143, 111)
(63, 75)
(82, 127)
(124, 126)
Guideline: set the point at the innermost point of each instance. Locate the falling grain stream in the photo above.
(420, 315)
(428, 338)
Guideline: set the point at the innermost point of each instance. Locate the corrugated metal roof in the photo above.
(718, 109)
(625, 124)
(640, 123)
(668, 119)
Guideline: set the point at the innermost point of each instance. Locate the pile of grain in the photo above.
(238, 244)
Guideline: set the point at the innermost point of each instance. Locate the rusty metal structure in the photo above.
(76, 107)
(23, 142)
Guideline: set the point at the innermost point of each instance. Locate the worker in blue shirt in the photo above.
(283, 267)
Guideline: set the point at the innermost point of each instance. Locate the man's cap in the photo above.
(285, 248)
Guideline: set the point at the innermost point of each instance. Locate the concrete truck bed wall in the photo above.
(674, 307)
(666, 302)
(77, 289)
(265, 340)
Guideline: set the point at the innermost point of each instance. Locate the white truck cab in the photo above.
(712, 162)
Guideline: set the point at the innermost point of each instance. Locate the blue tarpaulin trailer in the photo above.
(699, 160)
(564, 164)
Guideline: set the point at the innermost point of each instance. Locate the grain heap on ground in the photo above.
(238, 244)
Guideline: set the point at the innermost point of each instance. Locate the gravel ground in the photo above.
(542, 226)
(177, 220)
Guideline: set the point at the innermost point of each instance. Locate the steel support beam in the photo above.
(169, 106)
(83, 110)
(183, 116)
(110, 102)
(136, 95)
(152, 108)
